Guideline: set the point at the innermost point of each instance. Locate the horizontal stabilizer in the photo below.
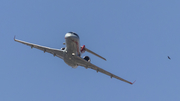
(91, 52)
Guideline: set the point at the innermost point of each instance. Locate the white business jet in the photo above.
(71, 54)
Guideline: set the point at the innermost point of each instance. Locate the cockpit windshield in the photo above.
(74, 34)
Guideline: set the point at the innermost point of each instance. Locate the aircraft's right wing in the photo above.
(55, 52)
(84, 63)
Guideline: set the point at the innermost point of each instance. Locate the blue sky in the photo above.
(135, 36)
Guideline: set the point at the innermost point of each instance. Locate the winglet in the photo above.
(133, 82)
(14, 37)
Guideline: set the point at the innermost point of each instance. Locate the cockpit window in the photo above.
(71, 32)
(74, 34)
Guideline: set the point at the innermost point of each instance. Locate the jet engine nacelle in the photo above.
(87, 58)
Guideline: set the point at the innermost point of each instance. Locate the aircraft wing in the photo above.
(55, 52)
(84, 63)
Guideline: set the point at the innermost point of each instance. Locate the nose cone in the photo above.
(68, 35)
(71, 35)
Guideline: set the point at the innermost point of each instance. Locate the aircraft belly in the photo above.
(73, 46)
(69, 60)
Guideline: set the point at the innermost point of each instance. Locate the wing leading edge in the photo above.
(55, 52)
(84, 63)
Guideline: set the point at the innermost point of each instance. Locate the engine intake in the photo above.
(87, 58)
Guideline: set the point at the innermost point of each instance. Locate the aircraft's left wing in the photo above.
(84, 63)
(55, 52)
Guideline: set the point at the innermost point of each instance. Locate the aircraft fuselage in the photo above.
(72, 48)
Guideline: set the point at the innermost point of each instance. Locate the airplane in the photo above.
(71, 54)
(169, 58)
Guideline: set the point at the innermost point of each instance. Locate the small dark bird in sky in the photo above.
(169, 58)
